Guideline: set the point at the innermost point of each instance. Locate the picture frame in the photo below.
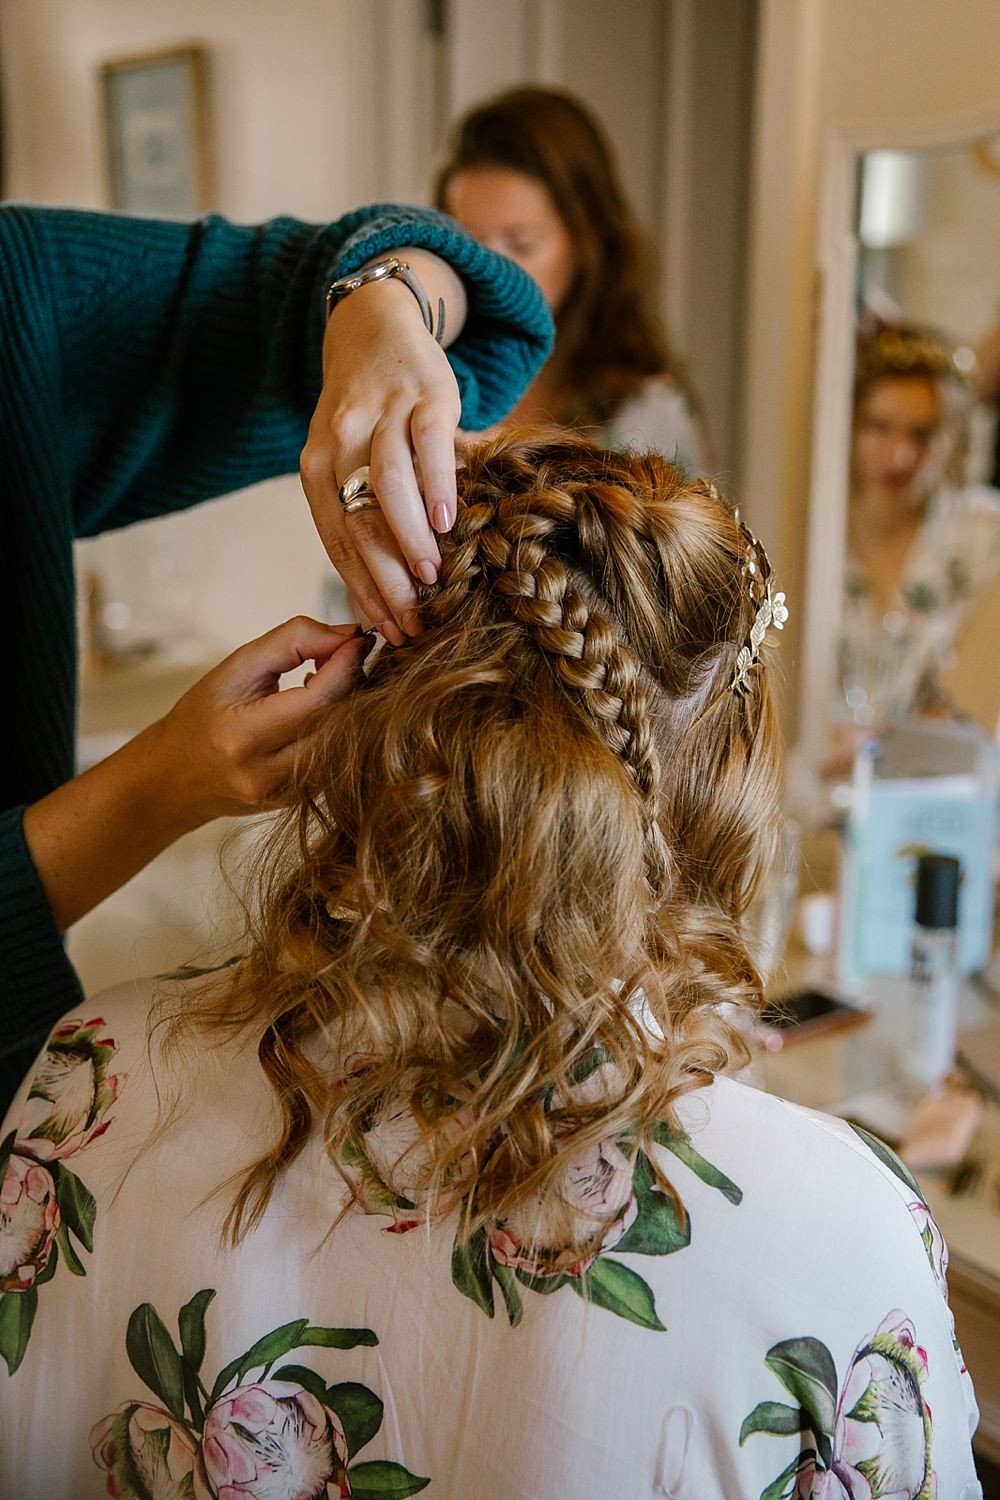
(155, 128)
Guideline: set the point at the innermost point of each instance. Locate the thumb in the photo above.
(283, 717)
(254, 669)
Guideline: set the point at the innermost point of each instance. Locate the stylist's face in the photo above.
(514, 215)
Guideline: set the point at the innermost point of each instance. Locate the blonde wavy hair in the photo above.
(909, 351)
(521, 850)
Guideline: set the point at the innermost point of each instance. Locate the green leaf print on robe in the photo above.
(259, 1431)
(45, 1209)
(872, 1441)
(930, 1235)
(606, 1204)
(634, 1215)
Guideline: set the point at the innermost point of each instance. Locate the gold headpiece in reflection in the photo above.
(905, 349)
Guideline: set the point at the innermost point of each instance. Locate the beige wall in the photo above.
(713, 251)
(290, 132)
(825, 66)
(285, 92)
(949, 274)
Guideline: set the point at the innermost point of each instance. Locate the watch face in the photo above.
(377, 272)
(344, 284)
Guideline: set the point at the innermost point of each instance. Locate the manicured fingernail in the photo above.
(442, 518)
(412, 623)
(392, 632)
(426, 571)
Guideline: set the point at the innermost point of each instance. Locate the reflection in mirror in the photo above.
(923, 515)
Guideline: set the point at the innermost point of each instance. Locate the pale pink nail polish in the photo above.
(426, 571)
(392, 632)
(442, 518)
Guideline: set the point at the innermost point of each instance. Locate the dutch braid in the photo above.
(544, 592)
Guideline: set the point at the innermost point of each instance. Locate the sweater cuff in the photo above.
(40, 983)
(508, 329)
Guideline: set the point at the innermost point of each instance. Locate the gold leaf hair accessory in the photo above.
(771, 610)
(905, 349)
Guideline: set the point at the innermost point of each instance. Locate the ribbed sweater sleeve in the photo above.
(191, 353)
(37, 980)
(31, 949)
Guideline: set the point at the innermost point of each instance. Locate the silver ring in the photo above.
(355, 488)
(363, 500)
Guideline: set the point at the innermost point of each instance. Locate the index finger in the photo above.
(289, 715)
(256, 667)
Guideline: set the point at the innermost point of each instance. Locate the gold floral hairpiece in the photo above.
(896, 350)
(771, 610)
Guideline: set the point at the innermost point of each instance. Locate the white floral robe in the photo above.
(890, 664)
(775, 1327)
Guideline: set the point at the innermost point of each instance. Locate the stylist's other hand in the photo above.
(229, 746)
(389, 400)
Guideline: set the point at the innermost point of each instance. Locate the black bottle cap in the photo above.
(938, 877)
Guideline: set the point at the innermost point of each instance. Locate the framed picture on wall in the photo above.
(155, 133)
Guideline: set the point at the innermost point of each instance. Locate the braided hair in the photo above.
(521, 845)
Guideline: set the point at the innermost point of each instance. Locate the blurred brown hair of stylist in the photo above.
(532, 176)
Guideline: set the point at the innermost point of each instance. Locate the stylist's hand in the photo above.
(229, 746)
(389, 400)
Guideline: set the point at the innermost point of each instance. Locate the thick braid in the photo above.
(587, 654)
(512, 545)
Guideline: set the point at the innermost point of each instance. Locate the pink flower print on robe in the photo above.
(146, 1453)
(271, 1441)
(882, 1441)
(933, 1240)
(387, 1164)
(29, 1221)
(71, 1093)
(597, 1207)
(872, 1441)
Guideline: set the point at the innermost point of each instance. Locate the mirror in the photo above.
(903, 574)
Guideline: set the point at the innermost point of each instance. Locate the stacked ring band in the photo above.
(356, 492)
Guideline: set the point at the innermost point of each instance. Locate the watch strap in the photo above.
(389, 268)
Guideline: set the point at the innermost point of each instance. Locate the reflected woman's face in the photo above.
(515, 215)
(899, 444)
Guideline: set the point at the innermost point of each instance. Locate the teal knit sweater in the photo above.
(144, 367)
